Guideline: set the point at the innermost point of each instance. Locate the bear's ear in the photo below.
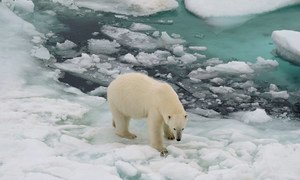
(169, 117)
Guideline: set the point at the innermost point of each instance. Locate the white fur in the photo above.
(135, 95)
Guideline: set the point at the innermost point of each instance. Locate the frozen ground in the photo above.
(50, 130)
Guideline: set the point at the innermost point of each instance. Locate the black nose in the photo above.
(178, 139)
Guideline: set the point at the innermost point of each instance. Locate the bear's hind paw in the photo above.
(127, 135)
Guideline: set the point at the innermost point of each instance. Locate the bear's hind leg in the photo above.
(168, 133)
(121, 123)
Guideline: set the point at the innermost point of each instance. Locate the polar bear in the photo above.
(135, 95)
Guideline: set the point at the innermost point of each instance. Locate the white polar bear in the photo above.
(135, 95)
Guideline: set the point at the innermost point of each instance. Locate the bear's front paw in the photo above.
(164, 152)
(170, 136)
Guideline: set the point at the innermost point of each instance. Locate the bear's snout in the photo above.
(178, 139)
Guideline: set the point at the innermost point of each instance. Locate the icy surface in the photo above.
(130, 38)
(129, 7)
(233, 67)
(140, 27)
(233, 12)
(288, 44)
(215, 8)
(103, 46)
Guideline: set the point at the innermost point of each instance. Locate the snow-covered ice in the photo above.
(103, 46)
(130, 38)
(288, 44)
(231, 12)
(129, 7)
(232, 67)
(140, 27)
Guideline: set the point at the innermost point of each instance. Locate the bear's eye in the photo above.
(185, 116)
(169, 117)
(182, 129)
(175, 129)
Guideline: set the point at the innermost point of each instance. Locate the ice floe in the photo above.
(288, 44)
(130, 38)
(233, 12)
(103, 46)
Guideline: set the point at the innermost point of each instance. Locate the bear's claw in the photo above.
(164, 153)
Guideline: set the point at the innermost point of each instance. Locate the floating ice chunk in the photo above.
(233, 67)
(213, 62)
(37, 39)
(257, 116)
(129, 7)
(217, 80)
(198, 48)
(205, 112)
(95, 33)
(67, 45)
(262, 63)
(121, 16)
(130, 38)
(179, 171)
(200, 56)
(215, 8)
(79, 64)
(130, 58)
(233, 12)
(23, 6)
(99, 91)
(279, 94)
(152, 59)
(68, 3)
(178, 50)
(288, 44)
(275, 93)
(221, 89)
(140, 27)
(168, 40)
(41, 53)
(200, 74)
(188, 58)
(103, 46)
(273, 87)
(156, 34)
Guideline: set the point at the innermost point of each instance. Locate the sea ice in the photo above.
(103, 46)
(67, 45)
(233, 12)
(232, 67)
(215, 8)
(40, 52)
(140, 27)
(130, 38)
(129, 7)
(288, 44)
(257, 116)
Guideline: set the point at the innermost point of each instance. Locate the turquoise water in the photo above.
(243, 42)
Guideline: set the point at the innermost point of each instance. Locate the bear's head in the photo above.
(176, 123)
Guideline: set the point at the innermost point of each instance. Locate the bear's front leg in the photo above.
(155, 126)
